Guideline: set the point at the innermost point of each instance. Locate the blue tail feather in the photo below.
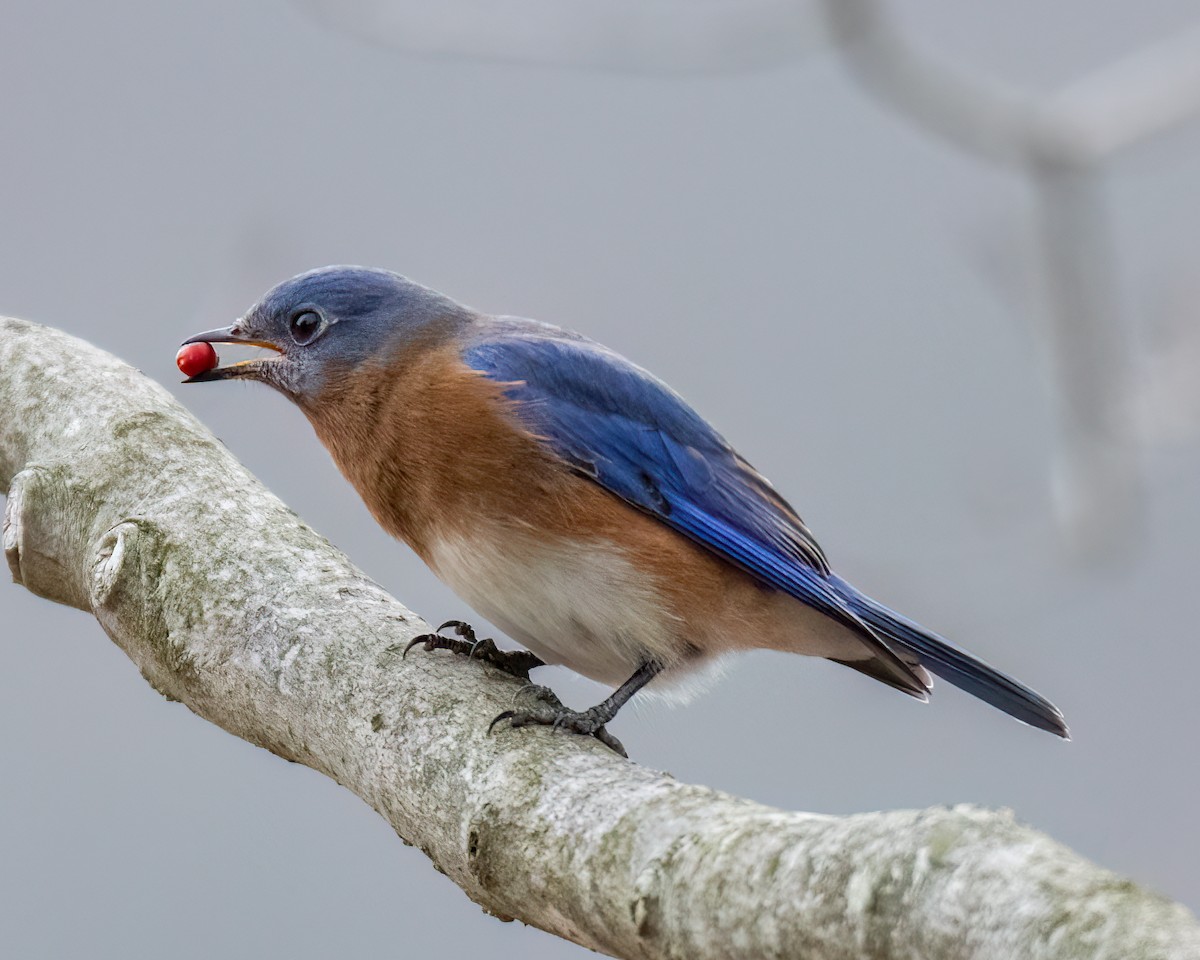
(953, 665)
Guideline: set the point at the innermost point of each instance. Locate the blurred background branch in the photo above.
(1061, 143)
(659, 36)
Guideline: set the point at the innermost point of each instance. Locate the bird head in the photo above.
(329, 321)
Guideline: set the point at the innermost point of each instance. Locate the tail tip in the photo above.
(1052, 721)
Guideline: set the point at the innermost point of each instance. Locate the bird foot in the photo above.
(540, 706)
(515, 662)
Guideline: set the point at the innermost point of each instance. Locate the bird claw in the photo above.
(515, 662)
(506, 715)
(522, 688)
(542, 707)
(545, 709)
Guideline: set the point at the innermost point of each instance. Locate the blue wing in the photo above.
(615, 423)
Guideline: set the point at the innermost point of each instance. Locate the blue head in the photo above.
(329, 321)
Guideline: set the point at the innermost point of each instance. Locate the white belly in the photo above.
(588, 609)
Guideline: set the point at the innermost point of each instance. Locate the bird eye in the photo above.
(304, 327)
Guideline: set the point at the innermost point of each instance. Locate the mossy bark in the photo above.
(121, 504)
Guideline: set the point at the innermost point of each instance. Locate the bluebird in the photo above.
(571, 498)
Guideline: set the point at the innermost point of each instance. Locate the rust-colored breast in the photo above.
(429, 446)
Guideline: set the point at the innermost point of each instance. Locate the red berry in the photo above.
(196, 358)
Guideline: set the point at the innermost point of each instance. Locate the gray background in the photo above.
(846, 299)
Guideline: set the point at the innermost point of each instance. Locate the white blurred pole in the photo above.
(1095, 479)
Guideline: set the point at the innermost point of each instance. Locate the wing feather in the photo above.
(618, 425)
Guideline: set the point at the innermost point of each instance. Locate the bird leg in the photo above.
(545, 709)
(516, 662)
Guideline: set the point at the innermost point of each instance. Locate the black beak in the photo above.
(244, 369)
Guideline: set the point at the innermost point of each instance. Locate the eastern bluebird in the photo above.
(572, 498)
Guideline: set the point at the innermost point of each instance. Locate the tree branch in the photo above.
(121, 504)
